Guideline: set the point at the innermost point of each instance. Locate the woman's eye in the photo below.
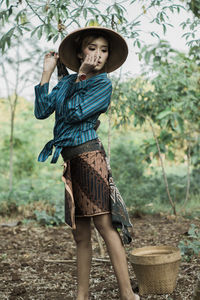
(104, 50)
(92, 49)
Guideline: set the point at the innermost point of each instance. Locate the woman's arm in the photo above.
(44, 102)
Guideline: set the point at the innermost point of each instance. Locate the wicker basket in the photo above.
(156, 268)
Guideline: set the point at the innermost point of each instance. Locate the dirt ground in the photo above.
(38, 263)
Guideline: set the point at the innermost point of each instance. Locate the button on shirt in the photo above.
(77, 107)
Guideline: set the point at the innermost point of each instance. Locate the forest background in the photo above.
(151, 131)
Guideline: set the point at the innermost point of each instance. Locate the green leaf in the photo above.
(93, 22)
(26, 28)
(138, 44)
(10, 32)
(47, 28)
(165, 136)
(170, 155)
(8, 42)
(19, 30)
(163, 114)
(154, 34)
(39, 33)
(85, 13)
(10, 11)
(34, 31)
(55, 38)
(6, 39)
(53, 30)
(147, 56)
(2, 45)
(180, 124)
(164, 28)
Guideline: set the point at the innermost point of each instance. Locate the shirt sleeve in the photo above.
(88, 101)
(45, 102)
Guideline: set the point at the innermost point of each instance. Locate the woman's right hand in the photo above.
(89, 64)
(50, 61)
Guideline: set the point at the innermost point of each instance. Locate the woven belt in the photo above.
(69, 153)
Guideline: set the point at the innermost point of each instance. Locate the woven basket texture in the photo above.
(156, 269)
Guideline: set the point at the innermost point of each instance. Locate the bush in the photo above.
(139, 190)
(54, 219)
(128, 168)
(190, 246)
(30, 190)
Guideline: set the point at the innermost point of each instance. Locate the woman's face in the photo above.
(98, 48)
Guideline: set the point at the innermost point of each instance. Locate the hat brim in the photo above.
(118, 50)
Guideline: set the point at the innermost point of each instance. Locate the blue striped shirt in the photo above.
(77, 107)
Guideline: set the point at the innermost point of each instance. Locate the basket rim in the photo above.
(152, 255)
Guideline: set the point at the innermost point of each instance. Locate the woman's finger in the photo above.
(52, 53)
(96, 60)
(87, 58)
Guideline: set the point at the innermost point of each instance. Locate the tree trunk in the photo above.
(12, 118)
(13, 105)
(12, 123)
(163, 169)
(188, 176)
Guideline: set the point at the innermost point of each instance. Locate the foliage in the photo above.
(24, 158)
(54, 219)
(128, 168)
(20, 66)
(23, 144)
(169, 100)
(141, 191)
(52, 19)
(190, 246)
(14, 66)
(195, 7)
(166, 98)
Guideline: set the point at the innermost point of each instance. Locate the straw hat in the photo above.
(118, 49)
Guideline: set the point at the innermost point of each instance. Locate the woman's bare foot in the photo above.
(131, 297)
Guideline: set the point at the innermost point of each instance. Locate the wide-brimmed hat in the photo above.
(118, 49)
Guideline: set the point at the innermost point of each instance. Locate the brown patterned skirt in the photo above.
(87, 190)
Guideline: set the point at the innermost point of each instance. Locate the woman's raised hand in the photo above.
(49, 65)
(89, 64)
(50, 61)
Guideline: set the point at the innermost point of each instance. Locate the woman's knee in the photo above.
(80, 237)
(103, 224)
(82, 233)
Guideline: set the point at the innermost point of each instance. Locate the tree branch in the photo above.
(74, 260)
(34, 11)
(7, 84)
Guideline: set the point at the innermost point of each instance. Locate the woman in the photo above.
(78, 100)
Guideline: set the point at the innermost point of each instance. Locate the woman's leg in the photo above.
(82, 237)
(117, 254)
